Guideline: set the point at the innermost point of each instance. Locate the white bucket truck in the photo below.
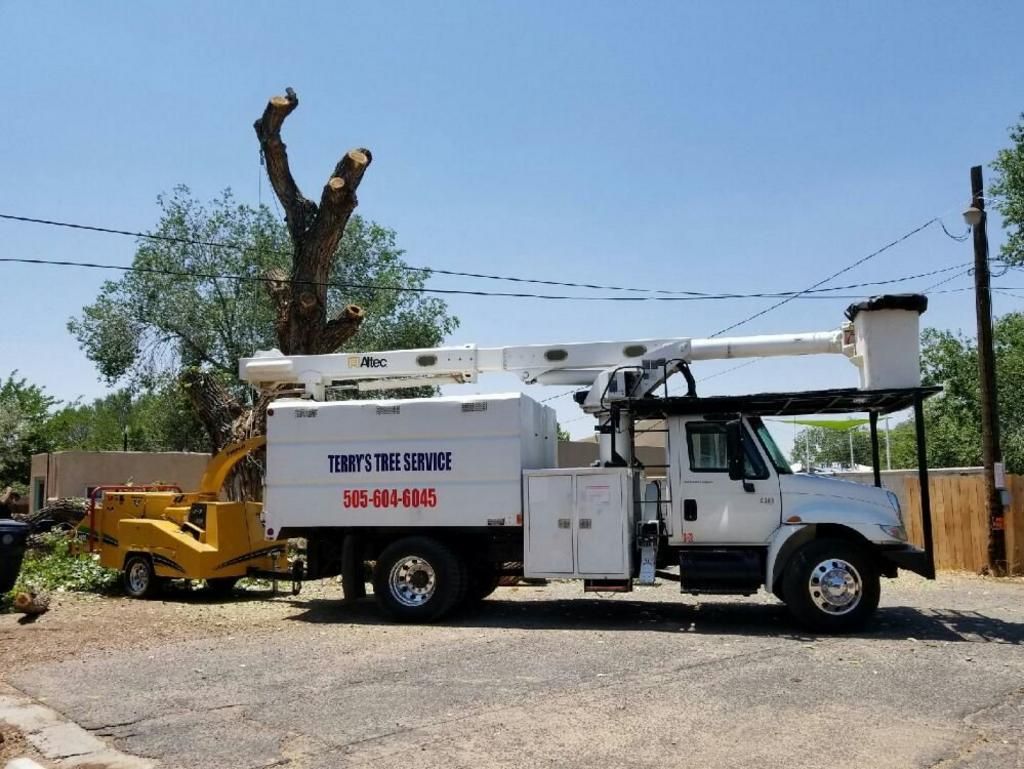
(444, 495)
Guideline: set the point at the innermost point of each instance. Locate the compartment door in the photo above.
(600, 528)
(549, 534)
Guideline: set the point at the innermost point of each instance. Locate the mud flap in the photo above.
(353, 576)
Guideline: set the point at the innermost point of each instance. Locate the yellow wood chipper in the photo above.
(156, 533)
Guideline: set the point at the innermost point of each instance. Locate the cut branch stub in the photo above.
(337, 203)
(298, 211)
(352, 166)
(342, 328)
(278, 108)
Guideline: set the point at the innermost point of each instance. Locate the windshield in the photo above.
(774, 453)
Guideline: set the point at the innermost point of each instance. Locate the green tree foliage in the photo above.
(1009, 186)
(827, 446)
(146, 327)
(157, 420)
(954, 418)
(24, 411)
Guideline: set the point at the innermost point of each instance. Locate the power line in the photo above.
(410, 268)
(948, 280)
(831, 277)
(663, 295)
(455, 273)
(1008, 293)
(805, 294)
(834, 275)
(752, 361)
(958, 238)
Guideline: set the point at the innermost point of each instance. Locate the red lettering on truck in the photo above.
(386, 498)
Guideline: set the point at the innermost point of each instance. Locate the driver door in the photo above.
(707, 507)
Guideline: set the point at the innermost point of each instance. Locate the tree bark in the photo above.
(32, 602)
(299, 298)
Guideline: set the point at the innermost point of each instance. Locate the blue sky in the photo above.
(700, 146)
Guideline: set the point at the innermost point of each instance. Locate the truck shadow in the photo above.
(746, 619)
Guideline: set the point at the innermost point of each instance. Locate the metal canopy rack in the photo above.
(835, 401)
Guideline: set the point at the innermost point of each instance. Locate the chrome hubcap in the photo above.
(412, 581)
(138, 577)
(835, 586)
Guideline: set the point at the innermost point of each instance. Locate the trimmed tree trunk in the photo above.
(299, 298)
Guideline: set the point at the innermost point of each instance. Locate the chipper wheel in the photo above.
(140, 581)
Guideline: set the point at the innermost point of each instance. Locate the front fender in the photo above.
(789, 537)
(786, 539)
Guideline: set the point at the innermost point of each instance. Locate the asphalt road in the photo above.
(539, 679)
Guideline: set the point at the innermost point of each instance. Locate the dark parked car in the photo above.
(12, 549)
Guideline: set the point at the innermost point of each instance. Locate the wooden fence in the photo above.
(960, 521)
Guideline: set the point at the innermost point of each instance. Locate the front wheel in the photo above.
(418, 579)
(140, 581)
(832, 585)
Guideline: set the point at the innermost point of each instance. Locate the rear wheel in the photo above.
(140, 581)
(418, 579)
(832, 585)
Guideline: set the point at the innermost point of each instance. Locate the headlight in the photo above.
(895, 502)
(895, 532)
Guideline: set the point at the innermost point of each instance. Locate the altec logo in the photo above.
(367, 361)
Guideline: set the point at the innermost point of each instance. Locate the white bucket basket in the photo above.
(887, 334)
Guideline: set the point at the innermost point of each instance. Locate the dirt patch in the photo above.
(14, 745)
(78, 623)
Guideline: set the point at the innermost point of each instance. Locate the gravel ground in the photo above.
(14, 745)
(538, 677)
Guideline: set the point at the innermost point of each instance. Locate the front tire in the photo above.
(140, 580)
(418, 579)
(832, 586)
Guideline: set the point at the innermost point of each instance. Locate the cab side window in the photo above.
(708, 449)
(707, 446)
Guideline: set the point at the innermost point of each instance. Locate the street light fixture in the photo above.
(973, 216)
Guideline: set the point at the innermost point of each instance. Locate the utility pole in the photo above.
(991, 454)
(888, 445)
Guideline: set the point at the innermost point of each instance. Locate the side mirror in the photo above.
(734, 448)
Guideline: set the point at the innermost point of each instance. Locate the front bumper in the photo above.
(910, 558)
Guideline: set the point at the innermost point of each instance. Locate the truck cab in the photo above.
(735, 517)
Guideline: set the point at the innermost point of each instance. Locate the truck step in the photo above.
(726, 571)
(607, 586)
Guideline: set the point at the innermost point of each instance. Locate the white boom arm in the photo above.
(881, 339)
(577, 363)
